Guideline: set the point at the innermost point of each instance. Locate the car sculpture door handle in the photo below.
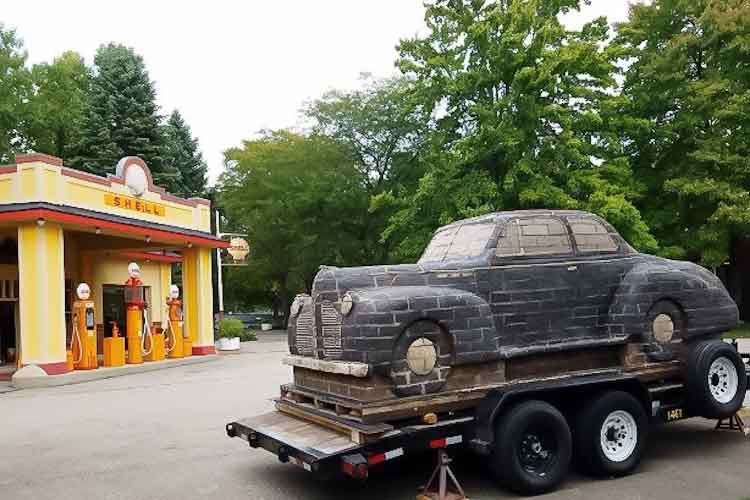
(572, 268)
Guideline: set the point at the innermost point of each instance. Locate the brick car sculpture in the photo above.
(497, 288)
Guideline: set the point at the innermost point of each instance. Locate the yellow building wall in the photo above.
(114, 271)
(41, 294)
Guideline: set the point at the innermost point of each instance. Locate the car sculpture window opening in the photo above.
(591, 236)
(534, 237)
(459, 242)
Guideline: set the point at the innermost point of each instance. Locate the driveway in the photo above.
(160, 435)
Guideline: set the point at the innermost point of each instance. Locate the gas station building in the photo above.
(60, 227)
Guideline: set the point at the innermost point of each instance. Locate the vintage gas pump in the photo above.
(84, 330)
(138, 333)
(173, 331)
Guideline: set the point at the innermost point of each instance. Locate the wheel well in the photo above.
(443, 331)
(683, 316)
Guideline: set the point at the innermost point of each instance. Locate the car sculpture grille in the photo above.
(330, 322)
(305, 340)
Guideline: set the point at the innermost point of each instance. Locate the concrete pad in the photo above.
(27, 377)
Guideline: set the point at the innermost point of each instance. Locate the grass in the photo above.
(741, 332)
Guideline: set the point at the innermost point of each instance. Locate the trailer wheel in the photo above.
(532, 449)
(610, 433)
(716, 379)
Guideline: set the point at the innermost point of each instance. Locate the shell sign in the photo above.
(239, 248)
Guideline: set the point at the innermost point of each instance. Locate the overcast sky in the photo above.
(233, 68)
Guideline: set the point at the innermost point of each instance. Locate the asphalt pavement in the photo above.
(160, 435)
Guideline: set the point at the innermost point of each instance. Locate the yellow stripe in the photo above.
(29, 293)
(205, 335)
(54, 279)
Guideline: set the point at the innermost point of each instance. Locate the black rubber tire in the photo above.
(670, 309)
(511, 429)
(700, 399)
(587, 434)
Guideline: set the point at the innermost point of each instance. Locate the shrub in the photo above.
(248, 335)
(229, 328)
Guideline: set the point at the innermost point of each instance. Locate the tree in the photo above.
(524, 118)
(122, 117)
(15, 85)
(181, 153)
(57, 105)
(379, 125)
(300, 201)
(686, 99)
(382, 128)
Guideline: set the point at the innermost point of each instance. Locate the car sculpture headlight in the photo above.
(296, 307)
(347, 304)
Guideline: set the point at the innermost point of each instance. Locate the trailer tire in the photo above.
(610, 433)
(532, 448)
(716, 379)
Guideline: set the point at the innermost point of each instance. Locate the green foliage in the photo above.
(248, 336)
(741, 332)
(232, 327)
(381, 127)
(15, 87)
(301, 202)
(57, 105)
(181, 154)
(525, 118)
(686, 99)
(121, 117)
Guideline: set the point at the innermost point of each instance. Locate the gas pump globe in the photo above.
(134, 291)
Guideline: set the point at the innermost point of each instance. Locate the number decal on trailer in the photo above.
(675, 414)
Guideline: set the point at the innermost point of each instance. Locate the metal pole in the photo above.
(220, 281)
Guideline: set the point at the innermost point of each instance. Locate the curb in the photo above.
(81, 376)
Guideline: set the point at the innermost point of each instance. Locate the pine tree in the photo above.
(122, 117)
(181, 153)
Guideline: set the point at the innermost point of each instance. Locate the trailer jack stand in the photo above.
(733, 423)
(441, 475)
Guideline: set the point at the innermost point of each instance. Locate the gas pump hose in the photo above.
(76, 336)
(146, 333)
(169, 333)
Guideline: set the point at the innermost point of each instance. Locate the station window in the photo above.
(113, 302)
(592, 236)
(534, 236)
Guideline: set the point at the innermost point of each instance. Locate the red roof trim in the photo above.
(40, 157)
(155, 257)
(8, 169)
(65, 218)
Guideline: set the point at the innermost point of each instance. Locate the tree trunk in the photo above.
(284, 298)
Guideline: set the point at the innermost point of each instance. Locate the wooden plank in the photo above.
(354, 434)
(461, 399)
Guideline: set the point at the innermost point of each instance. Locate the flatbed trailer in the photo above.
(327, 444)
